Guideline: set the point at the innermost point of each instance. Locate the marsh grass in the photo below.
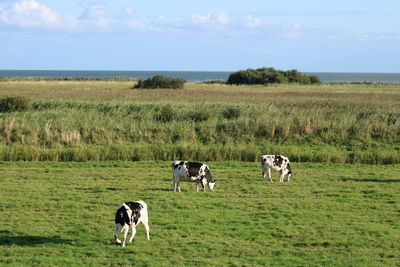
(60, 213)
(105, 120)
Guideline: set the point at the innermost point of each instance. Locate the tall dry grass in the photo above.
(327, 123)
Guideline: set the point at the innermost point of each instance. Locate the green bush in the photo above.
(14, 103)
(270, 75)
(159, 81)
(314, 79)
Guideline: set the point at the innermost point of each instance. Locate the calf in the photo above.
(192, 172)
(130, 214)
(275, 163)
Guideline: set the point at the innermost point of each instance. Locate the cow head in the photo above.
(211, 185)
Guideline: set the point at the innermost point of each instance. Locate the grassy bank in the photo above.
(106, 120)
(58, 214)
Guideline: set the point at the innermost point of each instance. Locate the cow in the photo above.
(130, 214)
(192, 172)
(275, 163)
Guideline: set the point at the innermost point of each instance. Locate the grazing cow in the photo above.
(275, 163)
(130, 214)
(192, 172)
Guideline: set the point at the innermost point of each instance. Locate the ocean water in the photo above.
(197, 75)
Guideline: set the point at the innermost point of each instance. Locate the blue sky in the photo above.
(218, 35)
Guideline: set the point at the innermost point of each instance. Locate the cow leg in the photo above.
(146, 226)
(133, 232)
(285, 174)
(269, 174)
(179, 186)
(203, 184)
(281, 176)
(125, 233)
(175, 182)
(117, 227)
(197, 186)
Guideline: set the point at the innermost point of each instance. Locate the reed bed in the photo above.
(106, 120)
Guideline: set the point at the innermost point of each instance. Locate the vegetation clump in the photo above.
(14, 103)
(231, 113)
(166, 114)
(271, 75)
(199, 114)
(160, 81)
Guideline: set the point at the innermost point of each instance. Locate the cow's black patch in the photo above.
(194, 168)
(122, 217)
(278, 160)
(136, 208)
(288, 168)
(177, 165)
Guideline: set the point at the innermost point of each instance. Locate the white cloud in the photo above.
(87, 3)
(222, 18)
(96, 17)
(136, 24)
(378, 37)
(31, 14)
(130, 11)
(94, 12)
(211, 18)
(252, 21)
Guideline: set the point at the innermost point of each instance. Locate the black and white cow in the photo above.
(192, 172)
(130, 214)
(275, 163)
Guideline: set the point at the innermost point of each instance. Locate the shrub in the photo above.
(159, 81)
(270, 75)
(14, 103)
(215, 82)
(314, 79)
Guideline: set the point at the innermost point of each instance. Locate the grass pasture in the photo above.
(61, 213)
(85, 146)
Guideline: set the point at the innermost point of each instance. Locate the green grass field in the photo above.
(61, 214)
(86, 146)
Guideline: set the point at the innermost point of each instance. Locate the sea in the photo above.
(197, 75)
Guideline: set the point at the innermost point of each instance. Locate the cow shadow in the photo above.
(371, 180)
(8, 238)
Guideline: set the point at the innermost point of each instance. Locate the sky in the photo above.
(206, 35)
